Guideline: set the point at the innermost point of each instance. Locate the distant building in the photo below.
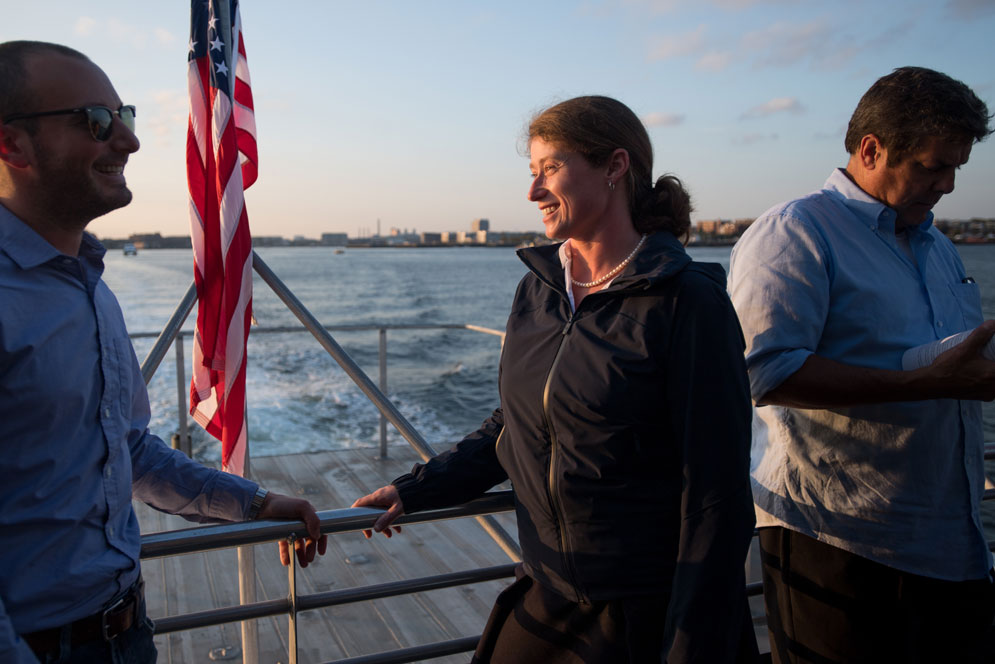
(471, 237)
(334, 239)
(480, 225)
(431, 238)
(269, 241)
(157, 241)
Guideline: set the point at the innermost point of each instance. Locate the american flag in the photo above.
(221, 163)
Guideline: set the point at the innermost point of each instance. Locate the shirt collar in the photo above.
(19, 241)
(875, 214)
(28, 249)
(565, 254)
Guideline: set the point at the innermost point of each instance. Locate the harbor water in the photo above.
(444, 381)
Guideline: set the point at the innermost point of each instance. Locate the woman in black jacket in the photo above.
(624, 423)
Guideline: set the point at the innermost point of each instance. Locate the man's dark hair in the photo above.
(15, 97)
(911, 104)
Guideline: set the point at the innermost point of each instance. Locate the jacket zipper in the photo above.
(551, 475)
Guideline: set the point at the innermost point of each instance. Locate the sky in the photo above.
(412, 113)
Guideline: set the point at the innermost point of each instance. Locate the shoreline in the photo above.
(116, 244)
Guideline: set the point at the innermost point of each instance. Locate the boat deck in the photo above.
(331, 480)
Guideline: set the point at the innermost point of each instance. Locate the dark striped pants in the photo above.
(828, 606)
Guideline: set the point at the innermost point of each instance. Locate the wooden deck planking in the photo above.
(331, 480)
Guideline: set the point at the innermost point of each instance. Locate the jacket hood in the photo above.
(661, 257)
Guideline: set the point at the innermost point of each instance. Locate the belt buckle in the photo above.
(113, 609)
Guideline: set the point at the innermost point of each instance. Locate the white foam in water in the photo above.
(298, 409)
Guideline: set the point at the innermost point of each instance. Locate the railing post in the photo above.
(292, 617)
(247, 595)
(383, 388)
(247, 578)
(185, 444)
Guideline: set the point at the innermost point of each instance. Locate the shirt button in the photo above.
(939, 323)
(107, 412)
(109, 473)
(110, 530)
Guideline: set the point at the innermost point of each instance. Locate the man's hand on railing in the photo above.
(278, 506)
(387, 498)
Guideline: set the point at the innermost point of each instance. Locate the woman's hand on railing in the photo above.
(279, 506)
(388, 498)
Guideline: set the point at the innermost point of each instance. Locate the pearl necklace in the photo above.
(615, 270)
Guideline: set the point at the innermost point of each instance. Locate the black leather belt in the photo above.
(106, 624)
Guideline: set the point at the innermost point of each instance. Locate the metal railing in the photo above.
(210, 538)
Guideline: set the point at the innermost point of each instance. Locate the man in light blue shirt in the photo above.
(867, 479)
(74, 411)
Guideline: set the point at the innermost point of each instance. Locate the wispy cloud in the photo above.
(169, 117)
(776, 105)
(823, 43)
(84, 26)
(666, 6)
(674, 46)
(714, 61)
(830, 135)
(655, 6)
(747, 4)
(753, 139)
(783, 43)
(164, 36)
(970, 9)
(119, 32)
(663, 119)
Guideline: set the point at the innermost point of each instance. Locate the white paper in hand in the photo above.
(922, 356)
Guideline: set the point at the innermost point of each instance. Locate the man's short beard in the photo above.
(71, 195)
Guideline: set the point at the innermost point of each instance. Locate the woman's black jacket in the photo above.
(625, 430)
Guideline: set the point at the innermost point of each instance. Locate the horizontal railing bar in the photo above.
(415, 653)
(228, 614)
(222, 536)
(404, 587)
(485, 330)
(276, 607)
(352, 328)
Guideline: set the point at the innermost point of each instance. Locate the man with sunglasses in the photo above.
(74, 411)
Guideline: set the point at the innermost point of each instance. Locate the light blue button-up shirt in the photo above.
(898, 483)
(74, 443)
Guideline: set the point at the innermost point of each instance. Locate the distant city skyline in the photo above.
(412, 113)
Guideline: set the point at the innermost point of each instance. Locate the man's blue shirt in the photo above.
(74, 442)
(898, 483)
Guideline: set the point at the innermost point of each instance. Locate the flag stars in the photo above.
(213, 23)
(221, 68)
(217, 44)
(192, 45)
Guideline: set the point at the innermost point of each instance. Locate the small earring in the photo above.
(611, 185)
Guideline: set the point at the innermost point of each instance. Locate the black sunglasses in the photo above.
(100, 119)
